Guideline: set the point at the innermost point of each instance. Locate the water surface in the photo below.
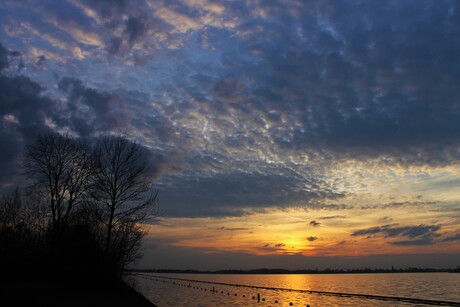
(168, 292)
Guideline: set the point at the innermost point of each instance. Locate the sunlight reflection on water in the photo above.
(441, 286)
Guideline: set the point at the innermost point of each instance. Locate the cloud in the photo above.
(400, 204)
(23, 115)
(253, 107)
(252, 104)
(359, 85)
(180, 21)
(135, 28)
(349, 84)
(419, 235)
(93, 111)
(228, 91)
(136, 32)
(314, 224)
(6, 57)
(236, 193)
(455, 237)
(89, 111)
(234, 228)
(3, 57)
(26, 112)
(331, 217)
(272, 247)
(392, 231)
(69, 47)
(141, 30)
(418, 242)
(85, 29)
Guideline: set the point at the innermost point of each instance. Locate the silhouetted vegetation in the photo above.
(120, 187)
(79, 219)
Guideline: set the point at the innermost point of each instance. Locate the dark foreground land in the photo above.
(51, 294)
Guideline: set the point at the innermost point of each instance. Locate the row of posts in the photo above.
(214, 291)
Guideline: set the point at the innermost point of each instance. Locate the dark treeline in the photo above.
(315, 271)
(78, 219)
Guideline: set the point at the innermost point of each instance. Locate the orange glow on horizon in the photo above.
(291, 232)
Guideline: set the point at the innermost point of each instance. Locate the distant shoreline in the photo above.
(283, 271)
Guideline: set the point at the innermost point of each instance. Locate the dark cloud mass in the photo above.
(422, 234)
(92, 111)
(455, 237)
(3, 57)
(236, 194)
(418, 242)
(314, 224)
(23, 110)
(392, 231)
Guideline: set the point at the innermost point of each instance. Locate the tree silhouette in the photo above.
(62, 167)
(10, 207)
(83, 211)
(121, 185)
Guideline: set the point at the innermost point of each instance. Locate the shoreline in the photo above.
(295, 272)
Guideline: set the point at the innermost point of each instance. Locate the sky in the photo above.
(282, 134)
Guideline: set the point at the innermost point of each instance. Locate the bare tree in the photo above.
(122, 187)
(126, 243)
(10, 207)
(96, 194)
(22, 232)
(62, 167)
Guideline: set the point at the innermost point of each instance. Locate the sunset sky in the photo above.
(283, 134)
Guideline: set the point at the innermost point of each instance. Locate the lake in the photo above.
(208, 289)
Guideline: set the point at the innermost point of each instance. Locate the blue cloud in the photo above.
(236, 194)
(455, 237)
(237, 97)
(418, 242)
(417, 235)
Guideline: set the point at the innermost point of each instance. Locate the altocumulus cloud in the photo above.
(247, 103)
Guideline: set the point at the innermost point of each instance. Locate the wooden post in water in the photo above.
(258, 297)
